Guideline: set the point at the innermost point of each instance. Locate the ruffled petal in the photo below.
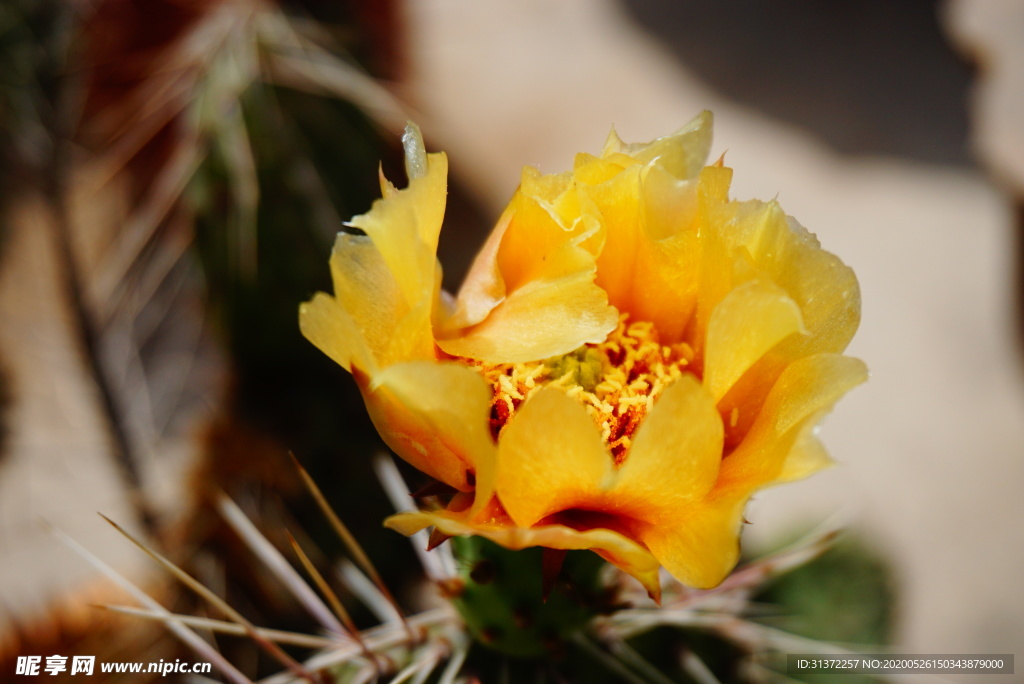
(404, 227)
(386, 283)
(531, 293)
(682, 154)
(547, 216)
(544, 318)
(752, 319)
(435, 416)
(614, 547)
(824, 288)
(550, 458)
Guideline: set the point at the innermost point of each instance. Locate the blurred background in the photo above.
(172, 174)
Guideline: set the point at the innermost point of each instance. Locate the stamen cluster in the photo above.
(617, 381)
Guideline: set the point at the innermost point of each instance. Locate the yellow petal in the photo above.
(591, 170)
(367, 289)
(435, 416)
(682, 154)
(810, 385)
(807, 455)
(714, 273)
(331, 329)
(669, 205)
(404, 228)
(803, 393)
(698, 544)
(612, 546)
(550, 458)
(544, 318)
(749, 321)
(675, 456)
(823, 287)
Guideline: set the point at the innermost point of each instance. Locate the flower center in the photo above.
(617, 381)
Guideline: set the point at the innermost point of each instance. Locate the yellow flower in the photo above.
(632, 354)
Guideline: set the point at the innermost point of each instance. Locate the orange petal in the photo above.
(531, 293)
(550, 458)
(484, 288)
(650, 250)
(698, 544)
(545, 318)
(749, 321)
(546, 216)
(803, 393)
(619, 203)
(675, 455)
(435, 416)
(614, 547)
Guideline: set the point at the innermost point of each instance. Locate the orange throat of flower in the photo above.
(617, 381)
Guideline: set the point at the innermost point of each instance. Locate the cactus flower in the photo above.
(630, 358)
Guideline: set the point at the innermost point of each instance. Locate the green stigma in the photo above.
(584, 364)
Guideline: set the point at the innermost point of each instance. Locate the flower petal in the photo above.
(714, 274)
(483, 289)
(325, 323)
(405, 225)
(368, 291)
(675, 456)
(531, 294)
(807, 455)
(823, 287)
(698, 544)
(667, 253)
(547, 216)
(803, 393)
(435, 416)
(752, 319)
(544, 318)
(550, 458)
(682, 154)
(647, 263)
(612, 546)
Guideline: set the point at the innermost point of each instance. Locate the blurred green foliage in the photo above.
(847, 597)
